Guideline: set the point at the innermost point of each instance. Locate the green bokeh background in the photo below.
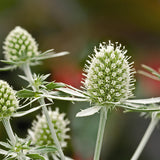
(77, 26)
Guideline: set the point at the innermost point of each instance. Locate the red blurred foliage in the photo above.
(78, 157)
(68, 73)
(150, 87)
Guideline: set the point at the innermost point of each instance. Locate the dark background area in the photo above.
(77, 26)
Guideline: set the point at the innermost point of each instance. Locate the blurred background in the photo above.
(77, 26)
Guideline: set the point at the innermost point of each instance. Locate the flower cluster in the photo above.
(40, 132)
(19, 45)
(109, 76)
(8, 101)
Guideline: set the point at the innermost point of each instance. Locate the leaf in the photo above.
(135, 108)
(50, 55)
(89, 111)
(145, 101)
(148, 75)
(53, 85)
(151, 70)
(3, 152)
(36, 156)
(65, 98)
(78, 90)
(30, 102)
(6, 145)
(148, 68)
(8, 62)
(25, 93)
(7, 68)
(23, 77)
(72, 92)
(44, 149)
(23, 113)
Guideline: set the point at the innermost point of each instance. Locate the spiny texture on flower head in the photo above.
(40, 132)
(8, 101)
(109, 76)
(19, 45)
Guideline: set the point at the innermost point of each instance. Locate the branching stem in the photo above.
(27, 71)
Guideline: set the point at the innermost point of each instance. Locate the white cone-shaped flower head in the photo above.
(109, 76)
(19, 45)
(8, 101)
(40, 132)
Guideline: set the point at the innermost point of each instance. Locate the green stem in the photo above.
(102, 122)
(51, 127)
(145, 138)
(7, 125)
(27, 71)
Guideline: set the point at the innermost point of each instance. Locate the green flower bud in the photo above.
(109, 76)
(19, 45)
(8, 101)
(40, 132)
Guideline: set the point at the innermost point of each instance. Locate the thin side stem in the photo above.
(27, 71)
(102, 122)
(145, 138)
(7, 125)
(51, 127)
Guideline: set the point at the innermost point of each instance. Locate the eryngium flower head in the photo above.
(109, 76)
(19, 45)
(8, 101)
(40, 132)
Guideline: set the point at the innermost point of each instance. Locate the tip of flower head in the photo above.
(109, 75)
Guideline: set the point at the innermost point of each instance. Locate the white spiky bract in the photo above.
(8, 100)
(109, 76)
(19, 45)
(40, 132)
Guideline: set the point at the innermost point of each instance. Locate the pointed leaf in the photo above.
(23, 113)
(45, 149)
(36, 156)
(148, 75)
(51, 55)
(7, 68)
(23, 77)
(30, 102)
(6, 145)
(135, 108)
(25, 93)
(53, 85)
(3, 152)
(89, 111)
(8, 62)
(72, 92)
(65, 98)
(145, 101)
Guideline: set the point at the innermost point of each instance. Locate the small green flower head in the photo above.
(40, 132)
(109, 76)
(19, 45)
(8, 100)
